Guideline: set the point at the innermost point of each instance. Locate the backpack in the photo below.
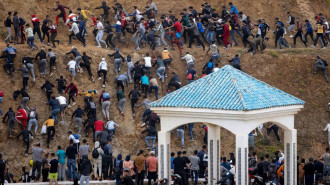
(252, 162)
(177, 34)
(325, 62)
(117, 166)
(292, 19)
(95, 153)
(76, 136)
(21, 21)
(189, 76)
(210, 65)
(106, 96)
(6, 22)
(154, 117)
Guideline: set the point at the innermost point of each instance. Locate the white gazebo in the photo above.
(236, 101)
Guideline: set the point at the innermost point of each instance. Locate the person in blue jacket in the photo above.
(233, 8)
(309, 30)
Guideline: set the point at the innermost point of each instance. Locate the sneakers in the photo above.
(100, 78)
(103, 85)
(99, 46)
(51, 74)
(133, 114)
(291, 36)
(143, 124)
(324, 48)
(73, 103)
(312, 46)
(137, 49)
(69, 106)
(26, 154)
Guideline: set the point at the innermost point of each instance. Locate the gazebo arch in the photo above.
(238, 102)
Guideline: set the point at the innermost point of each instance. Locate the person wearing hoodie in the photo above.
(21, 116)
(25, 75)
(167, 58)
(11, 120)
(78, 114)
(118, 168)
(118, 58)
(106, 9)
(98, 161)
(120, 80)
(42, 61)
(103, 68)
(78, 58)
(75, 32)
(28, 61)
(100, 33)
(233, 8)
(309, 30)
(72, 89)
(160, 70)
(86, 169)
(26, 138)
(117, 27)
(48, 87)
(87, 64)
(108, 30)
(36, 27)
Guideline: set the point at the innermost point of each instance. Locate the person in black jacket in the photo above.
(86, 169)
(152, 134)
(105, 8)
(78, 114)
(138, 71)
(42, 62)
(108, 30)
(11, 120)
(47, 86)
(61, 84)
(9, 65)
(135, 97)
(87, 64)
(26, 138)
(90, 120)
(8, 24)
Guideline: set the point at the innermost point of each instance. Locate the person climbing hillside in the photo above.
(62, 12)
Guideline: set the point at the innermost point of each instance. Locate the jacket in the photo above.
(117, 26)
(75, 52)
(72, 88)
(105, 8)
(48, 86)
(78, 113)
(74, 28)
(194, 29)
(10, 114)
(103, 65)
(86, 167)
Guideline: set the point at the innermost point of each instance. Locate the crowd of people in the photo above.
(209, 28)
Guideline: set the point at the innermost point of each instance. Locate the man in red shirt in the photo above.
(225, 35)
(98, 127)
(152, 164)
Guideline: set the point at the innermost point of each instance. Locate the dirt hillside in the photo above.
(288, 70)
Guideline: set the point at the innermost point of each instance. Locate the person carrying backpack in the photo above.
(118, 168)
(321, 64)
(97, 156)
(208, 67)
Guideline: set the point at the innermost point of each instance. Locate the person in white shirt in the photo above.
(30, 39)
(216, 68)
(100, 33)
(147, 63)
(63, 105)
(190, 60)
(75, 140)
(103, 68)
(111, 127)
(72, 67)
(75, 32)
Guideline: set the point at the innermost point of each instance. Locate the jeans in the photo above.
(191, 127)
(111, 132)
(61, 172)
(210, 36)
(105, 108)
(143, 37)
(71, 165)
(180, 133)
(121, 105)
(99, 37)
(30, 42)
(83, 179)
(156, 90)
(33, 122)
(9, 34)
(36, 166)
(326, 170)
(232, 33)
(152, 138)
(281, 41)
(161, 73)
(78, 124)
(139, 178)
(117, 65)
(43, 66)
(54, 113)
(73, 71)
(31, 69)
(194, 176)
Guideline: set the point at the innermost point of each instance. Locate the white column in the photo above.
(213, 140)
(164, 160)
(242, 159)
(290, 153)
